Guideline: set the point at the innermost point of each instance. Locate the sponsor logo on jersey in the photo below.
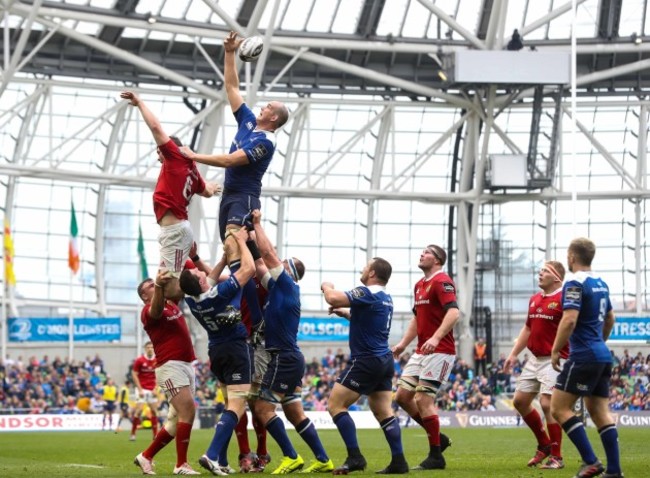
(249, 125)
(259, 151)
(357, 293)
(539, 310)
(448, 287)
(573, 293)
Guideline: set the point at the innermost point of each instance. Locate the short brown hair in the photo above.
(382, 268)
(142, 284)
(189, 283)
(438, 252)
(583, 249)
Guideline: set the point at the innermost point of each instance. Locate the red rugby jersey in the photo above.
(178, 181)
(544, 315)
(430, 298)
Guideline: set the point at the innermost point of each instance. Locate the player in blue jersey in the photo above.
(217, 308)
(251, 151)
(282, 382)
(586, 323)
(249, 157)
(371, 367)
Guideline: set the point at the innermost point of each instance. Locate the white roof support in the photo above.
(453, 24)
(385, 127)
(112, 152)
(540, 22)
(299, 125)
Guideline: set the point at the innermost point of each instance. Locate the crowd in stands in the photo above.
(58, 386)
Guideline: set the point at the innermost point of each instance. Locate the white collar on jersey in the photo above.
(427, 279)
(552, 293)
(376, 288)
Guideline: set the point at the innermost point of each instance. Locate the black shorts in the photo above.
(109, 406)
(366, 375)
(124, 407)
(586, 379)
(234, 209)
(285, 372)
(232, 362)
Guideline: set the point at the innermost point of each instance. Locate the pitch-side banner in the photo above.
(36, 329)
(323, 329)
(53, 423)
(627, 329)
(497, 419)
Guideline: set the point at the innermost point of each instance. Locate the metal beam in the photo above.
(261, 62)
(381, 78)
(20, 47)
(453, 24)
(126, 56)
(540, 22)
(68, 176)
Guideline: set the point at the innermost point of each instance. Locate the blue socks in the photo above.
(393, 434)
(347, 429)
(609, 437)
(308, 432)
(575, 430)
(276, 428)
(222, 434)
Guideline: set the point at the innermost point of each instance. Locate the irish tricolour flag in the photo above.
(73, 249)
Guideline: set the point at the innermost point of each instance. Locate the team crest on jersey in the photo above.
(357, 293)
(448, 287)
(573, 293)
(553, 305)
(249, 125)
(259, 151)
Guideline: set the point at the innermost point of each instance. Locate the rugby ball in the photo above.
(251, 48)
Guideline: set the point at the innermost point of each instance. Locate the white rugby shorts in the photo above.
(538, 376)
(174, 375)
(175, 244)
(432, 367)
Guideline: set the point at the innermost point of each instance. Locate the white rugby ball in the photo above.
(251, 48)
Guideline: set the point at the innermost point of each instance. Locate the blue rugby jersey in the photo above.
(259, 147)
(206, 306)
(282, 314)
(590, 296)
(371, 313)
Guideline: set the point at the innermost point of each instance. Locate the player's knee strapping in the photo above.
(171, 422)
(408, 383)
(291, 398)
(429, 388)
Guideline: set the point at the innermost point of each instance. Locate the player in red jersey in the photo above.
(435, 313)
(178, 181)
(165, 324)
(538, 376)
(144, 379)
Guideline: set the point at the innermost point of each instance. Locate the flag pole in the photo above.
(70, 323)
(5, 321)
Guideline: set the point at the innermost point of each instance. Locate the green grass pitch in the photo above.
(474, 453)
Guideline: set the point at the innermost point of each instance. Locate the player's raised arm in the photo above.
(149, 118)
(230, 45)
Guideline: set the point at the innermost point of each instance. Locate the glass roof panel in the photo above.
(536, 10)
(391, 17)
(586, 24)
(632, 18)
(199, 12)
(296, 17)
(321, 17)
(347, 17)
(416, 21)
(175, 8)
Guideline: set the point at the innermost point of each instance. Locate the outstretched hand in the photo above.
(231, 42)
(131, 96)
(187, 152)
